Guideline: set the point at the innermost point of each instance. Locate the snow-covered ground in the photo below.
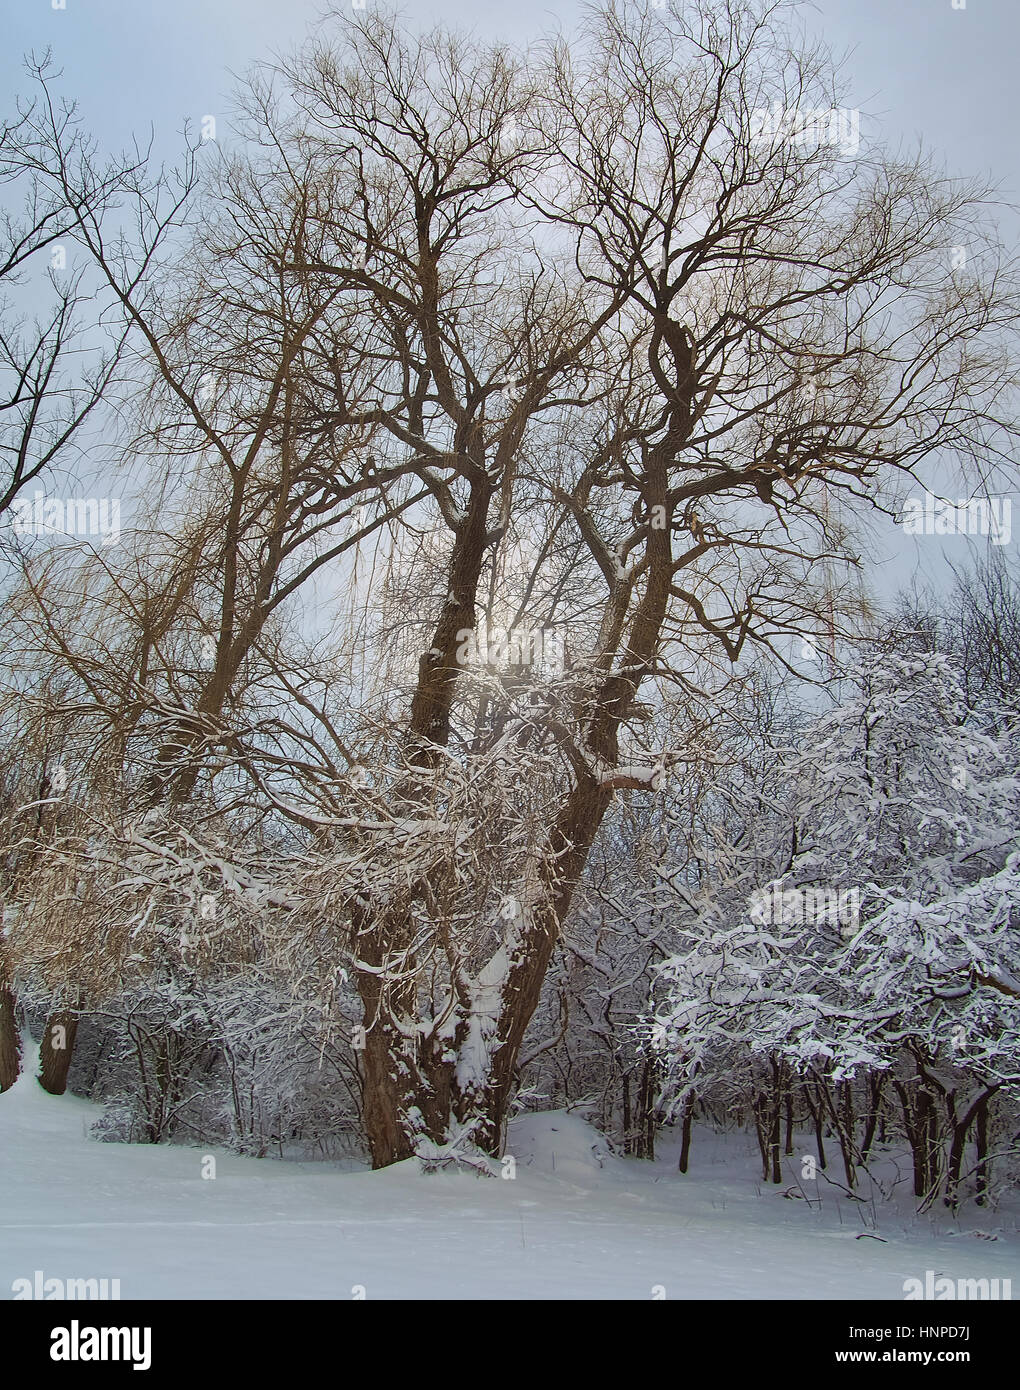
(575, 1222)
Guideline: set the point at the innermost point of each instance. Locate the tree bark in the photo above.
(845, 1130)
(818, 1117)
(788, 1147)
(915, 1126)
(775, 1121)
(981, 1143)
(628, 1142)
(875, 1090)
(685, 1134)
(10, 1041)
(56, 1051)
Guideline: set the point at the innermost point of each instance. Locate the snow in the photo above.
(486, 991)
(575, 1222)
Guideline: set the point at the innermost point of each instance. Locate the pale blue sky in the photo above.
(918, 68)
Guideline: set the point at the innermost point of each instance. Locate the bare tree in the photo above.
(56, 364)
(775, 333)
(593, 354)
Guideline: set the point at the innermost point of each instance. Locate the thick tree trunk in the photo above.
(977, 1111)
(958, 1141)
(566, 854)
(10, 1041)
(408, 1095)
(913, 1124)
(387, 1076)
(397, 1087)
(387, 1140)
(56, 1051)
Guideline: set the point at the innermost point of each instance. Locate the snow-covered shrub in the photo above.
(898, 805)
(215, 1010)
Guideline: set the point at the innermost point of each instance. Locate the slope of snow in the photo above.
(575, 1222)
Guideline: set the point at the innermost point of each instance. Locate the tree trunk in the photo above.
(818, 1117)
(647, 1110)
(931, 1144)
(788, 1147)
(396, 1087)
(56, 1051)
(685, 1134)
(387, 1073)
(981, 1142)
(775, 1123)
(10, 1041)
(875, 1088)
(958, 1140)
(651, 1109)
(976, 1114)
(759, 1108)
(566, 853)
(913, 1123)
(845, 1129)
(628, 1141)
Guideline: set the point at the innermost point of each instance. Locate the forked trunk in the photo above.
(423, 1087)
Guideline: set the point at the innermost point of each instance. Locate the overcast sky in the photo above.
(920, 68)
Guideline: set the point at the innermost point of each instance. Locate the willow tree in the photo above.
(651, 355)
(612, 352)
